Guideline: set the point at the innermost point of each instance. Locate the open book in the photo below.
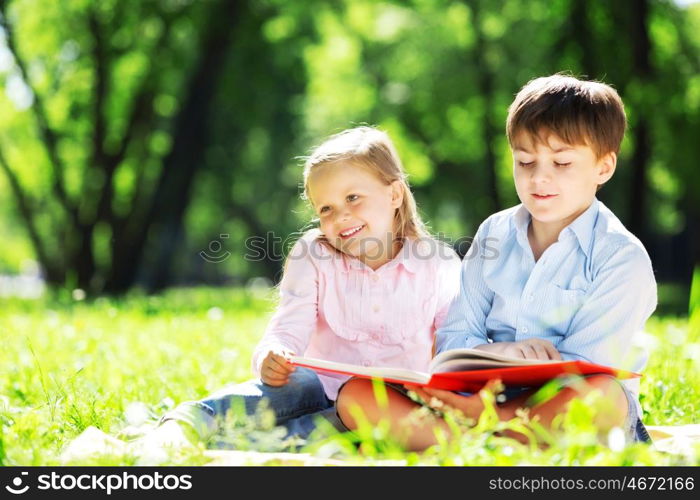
(468, 370)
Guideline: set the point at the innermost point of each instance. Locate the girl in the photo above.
(368, 286)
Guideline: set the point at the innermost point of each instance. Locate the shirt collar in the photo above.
(521, 220)
(407, 257)
(582, 227)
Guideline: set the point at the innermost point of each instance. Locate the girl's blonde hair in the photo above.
(372, 149)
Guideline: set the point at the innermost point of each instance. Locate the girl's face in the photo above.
(356, 210)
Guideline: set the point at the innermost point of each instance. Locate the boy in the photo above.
(567, 280)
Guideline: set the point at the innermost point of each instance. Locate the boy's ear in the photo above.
(607, 166)
(396, 194)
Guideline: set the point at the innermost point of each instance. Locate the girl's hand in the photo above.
(526, 349)
(275, 368)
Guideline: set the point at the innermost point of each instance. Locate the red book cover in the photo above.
(524, 375)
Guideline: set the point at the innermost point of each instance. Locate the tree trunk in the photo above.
(641, 44)
(638, 196)
(486, 90)
(164, 218)
(190, 139)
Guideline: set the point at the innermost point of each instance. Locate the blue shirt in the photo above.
(588, 294)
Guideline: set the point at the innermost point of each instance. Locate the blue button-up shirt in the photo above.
(588, 294)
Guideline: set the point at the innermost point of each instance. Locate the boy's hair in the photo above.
(579, 112)
(370, 148)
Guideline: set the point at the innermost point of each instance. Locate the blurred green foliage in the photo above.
(174, 122)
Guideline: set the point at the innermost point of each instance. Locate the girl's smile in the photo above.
(351, 232)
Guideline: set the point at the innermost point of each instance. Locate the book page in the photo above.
(389, 373)
(474, 359)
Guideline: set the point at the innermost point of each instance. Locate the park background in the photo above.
(146, 146)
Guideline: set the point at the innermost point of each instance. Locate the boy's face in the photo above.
(557, 181)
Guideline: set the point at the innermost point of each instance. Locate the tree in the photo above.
(128, 120)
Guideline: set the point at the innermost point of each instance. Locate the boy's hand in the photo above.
(275, 368)
(526, 349)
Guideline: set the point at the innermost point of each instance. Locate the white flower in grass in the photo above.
(137, 413)
(215, 314)
(616, 439)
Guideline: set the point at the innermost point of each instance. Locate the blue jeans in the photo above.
(296, 405)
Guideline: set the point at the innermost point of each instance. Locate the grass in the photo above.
(68, 364)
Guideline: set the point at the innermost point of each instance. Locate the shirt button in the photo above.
(375, 308)
(365, 363)
(375, 278)
(530, 298)
(524, 329)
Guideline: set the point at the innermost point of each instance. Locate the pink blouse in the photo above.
(336, 308)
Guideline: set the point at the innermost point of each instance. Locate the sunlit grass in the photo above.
(114, 363)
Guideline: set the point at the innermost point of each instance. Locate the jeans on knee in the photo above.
(296, 405)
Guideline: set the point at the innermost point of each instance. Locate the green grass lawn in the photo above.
(67, 365)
